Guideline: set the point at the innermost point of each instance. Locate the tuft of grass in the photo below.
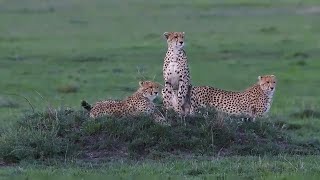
(298, 55)
(270, 29)
(117, 71)
(8, 103)
(83, 59)
(301, 63)
(65, 133)
(301, 55)
(68, 88)
(306, 113)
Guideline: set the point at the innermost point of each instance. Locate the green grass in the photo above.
(56, 53)
(294, 167)
(67, 134)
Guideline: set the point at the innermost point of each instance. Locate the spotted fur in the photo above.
(138, 103)
(253, 102)
(176, 92)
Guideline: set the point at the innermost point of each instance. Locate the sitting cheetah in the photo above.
(253, 102)
(138, 103)
(176, 92)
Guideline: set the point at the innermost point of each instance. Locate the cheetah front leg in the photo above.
(193, 106)
(253, 113)
(167, 96)
(182, 95)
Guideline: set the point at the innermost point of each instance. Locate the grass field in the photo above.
(56, 53)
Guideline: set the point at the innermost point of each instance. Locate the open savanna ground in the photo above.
(54, 53)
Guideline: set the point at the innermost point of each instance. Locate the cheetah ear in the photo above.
(182, 33)
(166, 34)
(259, 78)
(141, 83)
(272, 75)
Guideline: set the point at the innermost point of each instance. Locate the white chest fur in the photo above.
(268, 102)
(172, 71)
(173, 74)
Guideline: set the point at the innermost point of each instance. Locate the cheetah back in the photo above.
(254, 101)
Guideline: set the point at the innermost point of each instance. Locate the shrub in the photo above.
(65, 133)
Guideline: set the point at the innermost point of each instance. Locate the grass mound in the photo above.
(66, 134)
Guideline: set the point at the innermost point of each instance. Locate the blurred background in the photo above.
(58, 52)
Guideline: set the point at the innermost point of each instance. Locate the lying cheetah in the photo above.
(253, 102)
(176, 92)
(138, 103)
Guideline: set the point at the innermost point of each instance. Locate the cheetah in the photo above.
(141, 102)
(253, 102)
(176, 91)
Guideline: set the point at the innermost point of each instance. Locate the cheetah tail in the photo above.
(86, 105)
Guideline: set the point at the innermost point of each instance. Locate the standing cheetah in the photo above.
(138, 103)
(253, 102)
(176, 92)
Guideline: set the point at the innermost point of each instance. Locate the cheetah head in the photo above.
(268, 83)
(175, 39)
(149, 89)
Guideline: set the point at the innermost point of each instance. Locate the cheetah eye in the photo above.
(268, 82)
(175, 36)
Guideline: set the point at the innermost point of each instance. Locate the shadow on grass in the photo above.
(65, 133)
